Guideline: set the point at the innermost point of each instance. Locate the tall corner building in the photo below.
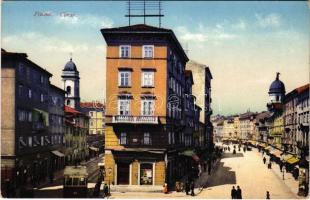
(144, 137)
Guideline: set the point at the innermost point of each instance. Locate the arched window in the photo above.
(277, 98)
(69, 89)
(68, 102)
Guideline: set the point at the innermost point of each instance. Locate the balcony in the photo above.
(135, 119)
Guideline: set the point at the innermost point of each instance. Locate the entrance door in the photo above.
(122, 174)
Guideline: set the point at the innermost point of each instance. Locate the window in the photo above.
(123, 106)
(123, 139)
(68, 89)
(30, 141)
(42, 140)
(124, 51)
(22, 143)
(29, 93)
(124, 78)
(42, 79)
(148, 78)
(169, 137)
(147, 108)
(91, 114)
(68, 102)
(20, 90)
(41, 97)
(148, 51)
(146, 139)
(30, 116)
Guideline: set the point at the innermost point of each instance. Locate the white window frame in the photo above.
(150, 107)
(123, 138)
(147, 140)
(120, 51)
(30, 141)
(127, 109)
(144, 53)
(120, 72)
(147, 78)
(41, 97)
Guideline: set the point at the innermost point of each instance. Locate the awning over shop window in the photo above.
(190, 153)
(276, 153)
(286, 157)
(292, 160)
(268, 148)
(57, 153)
(94, 148)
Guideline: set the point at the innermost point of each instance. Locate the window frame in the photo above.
(123, 138)
(143, 79)
(149, 139)
(126, 110)
(151, 110)
(120, 72)
(120, 51)
(144, 52)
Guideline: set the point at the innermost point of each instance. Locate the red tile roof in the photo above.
(303, 88)
(71, 110)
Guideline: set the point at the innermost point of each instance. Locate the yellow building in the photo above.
(237, 132)
(95, 111)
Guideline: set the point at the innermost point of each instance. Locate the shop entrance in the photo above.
(122, 173)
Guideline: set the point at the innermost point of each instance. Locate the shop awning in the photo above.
(285, 157)
(276, 153)
(268, 148)
(94, 148)
(190, 153)
(57, 153)
(292, 160)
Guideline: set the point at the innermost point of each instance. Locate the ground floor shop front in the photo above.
(145, 167)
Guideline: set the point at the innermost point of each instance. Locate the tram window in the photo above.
(68, 181)
(82, 181)
(75, 181)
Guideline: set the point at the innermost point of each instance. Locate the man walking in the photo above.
(264, 160)
(187, 187)
(267, 195)
(233, 193)
(238, 193)
(192, 188)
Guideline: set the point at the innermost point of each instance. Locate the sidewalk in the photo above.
(289, 180)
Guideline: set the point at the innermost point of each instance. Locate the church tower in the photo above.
(71, 79)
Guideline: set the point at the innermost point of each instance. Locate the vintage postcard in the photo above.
(155, 99)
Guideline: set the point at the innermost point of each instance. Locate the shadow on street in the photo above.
(222, 176)
(231, 155)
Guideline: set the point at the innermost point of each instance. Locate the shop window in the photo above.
(146, 174)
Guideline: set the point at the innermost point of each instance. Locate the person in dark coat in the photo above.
(187, 187)
(192, 188)
(233, 193)
(267, 195)
(105, 190)
(264, 160)
(238, 193)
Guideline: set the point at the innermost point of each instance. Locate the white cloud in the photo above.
(240, 25)
(270, 20)
(186, 35)
(87, 19)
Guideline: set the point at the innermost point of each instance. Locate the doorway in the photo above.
(122, 173)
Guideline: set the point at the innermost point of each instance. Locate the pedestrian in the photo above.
(281, 166)
(238, 193)
(233, 193)
(269, 165)
(187, 187)
(267, 195)
(264, 160)
(105, 190)
(192, 188)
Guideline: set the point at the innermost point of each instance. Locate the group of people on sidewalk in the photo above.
(236, 193)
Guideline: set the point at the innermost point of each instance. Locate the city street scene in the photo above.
(151, 99)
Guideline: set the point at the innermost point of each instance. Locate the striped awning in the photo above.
(276, 153)
(57, 153)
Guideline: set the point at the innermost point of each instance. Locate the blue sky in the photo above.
(244, 43)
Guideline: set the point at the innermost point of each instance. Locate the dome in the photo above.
(277, 86)
(70, 66)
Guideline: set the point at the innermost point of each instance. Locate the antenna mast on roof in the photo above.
(145, 9)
